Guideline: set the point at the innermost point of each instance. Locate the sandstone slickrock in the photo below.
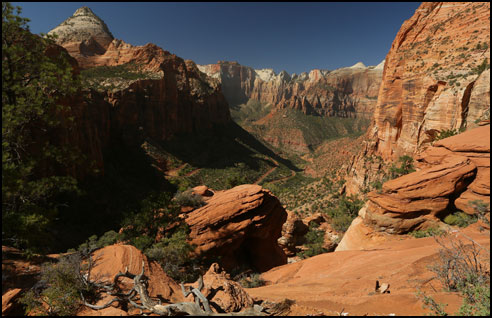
(241, 226)
(8, 300)
(345, 280)
(475, 145)
(222, 292)
(345, 92)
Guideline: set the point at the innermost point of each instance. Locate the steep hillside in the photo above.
(128, 97)
(432, 79)
(436, 79)
(345, 92)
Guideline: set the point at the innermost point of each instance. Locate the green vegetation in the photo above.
(406, 167)
(460, 219)
(223, 157)
(314, 242)
(448, 133)
(106, 77)
(344, 212)
(463, 268)
(34, 166)
(250, 112)
(188, 198)
(482, 67)
(58, 290)
(253, 281)
(175, 256)
(431, 231)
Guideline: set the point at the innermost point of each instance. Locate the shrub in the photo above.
(346, 210)
(432, 231)
(463, 268)
(481, 208)
(253, 281)
(188, 198)
(174, 254)
(406, 167)
(448, 133)
(93, 243)
(156, 213)
(460, 219)
(58, 291)
(314, 242)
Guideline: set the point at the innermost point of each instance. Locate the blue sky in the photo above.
(291, 36)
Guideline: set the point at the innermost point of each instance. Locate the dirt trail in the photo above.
(175, 172)
(292, 175)
(266, 174)
(193, 172)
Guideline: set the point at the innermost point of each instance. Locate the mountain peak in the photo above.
(83, 25)
(358, 65)
(84, 11)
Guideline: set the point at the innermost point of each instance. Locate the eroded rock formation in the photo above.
(430, 80)
(224, 294)
(345, 92)
(454, 174)
(436, 77)
(241, 225)
(174, 98)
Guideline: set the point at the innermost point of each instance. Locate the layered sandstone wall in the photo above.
(345, 92)
(429, 80)
(177, 98)
(432, 81)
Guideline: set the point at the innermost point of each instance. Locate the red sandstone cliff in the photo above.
(428, 82)
(431, 82)
(175, 98)
(345, 92)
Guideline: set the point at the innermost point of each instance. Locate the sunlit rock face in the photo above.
(345, 92)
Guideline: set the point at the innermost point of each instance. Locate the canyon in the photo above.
(435, 79)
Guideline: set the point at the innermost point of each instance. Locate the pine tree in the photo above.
(33, 166)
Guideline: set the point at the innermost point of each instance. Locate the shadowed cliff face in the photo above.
(174, 97)
(345, 92)
(431, 81)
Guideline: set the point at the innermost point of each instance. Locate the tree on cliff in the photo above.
(33, 168)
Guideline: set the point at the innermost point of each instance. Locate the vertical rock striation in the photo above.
(174, 98)
(436, 77)
(345, 92)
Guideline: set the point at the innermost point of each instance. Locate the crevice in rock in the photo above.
(464, 103)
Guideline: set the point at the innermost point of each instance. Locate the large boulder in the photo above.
(406, 203)
(113, 259)
(240, 226)
(454, 174)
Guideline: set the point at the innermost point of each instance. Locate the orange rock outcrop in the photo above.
(224, 294)
(240, 226)
(454, 174)
(436, 77)
(430, 82)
